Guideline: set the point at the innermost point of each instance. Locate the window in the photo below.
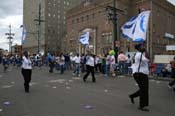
(77, 20)
(49, 14)
(87, 17)
(93, 15)
(82, 18)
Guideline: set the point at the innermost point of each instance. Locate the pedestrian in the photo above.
(90, 68)
(62, 63)
(5, 62)
(122, 58)
(140, 73)
(51, 61)
(107, 66)
(26, 70)
(77, 65)
(172, 73)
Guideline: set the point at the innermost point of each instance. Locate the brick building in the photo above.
(91, 16)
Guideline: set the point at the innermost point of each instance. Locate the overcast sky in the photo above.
(11, 13)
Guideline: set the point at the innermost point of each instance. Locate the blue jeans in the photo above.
(107, 69)
(122, 67)
(62, 68)
(77, 69)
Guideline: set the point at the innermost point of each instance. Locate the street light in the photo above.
(112, 15)
(10, 34)
(39, 20)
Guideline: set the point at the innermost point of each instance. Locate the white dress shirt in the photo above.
(26, 63)
(77, 59)
(90, 61)
(144, 68)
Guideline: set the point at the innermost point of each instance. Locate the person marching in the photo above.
(172, 83)
(26, 70)
(140, 73)
(90, 63)
(77, 59)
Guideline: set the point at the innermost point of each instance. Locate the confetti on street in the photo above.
(88, 107)
(7, 103)
(54, 87)
(70, 81)
(157, 82)
(58, 80)
(67, 87)
(77, 78)
(106, 90)
(7, 86)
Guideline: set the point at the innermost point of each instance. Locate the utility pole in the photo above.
(39, 20)
(115, 44)
(10, 37)
(112, 15)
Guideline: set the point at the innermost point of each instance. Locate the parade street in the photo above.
(65, 95)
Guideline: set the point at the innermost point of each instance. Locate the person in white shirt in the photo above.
(62, 63)
(140, 72)
(90, 68)
(77, 59)
(112, 65)
(26, 70)
(107, 68)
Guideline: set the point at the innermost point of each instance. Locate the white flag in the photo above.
(23, 34)
(84, 38)
(136, 27)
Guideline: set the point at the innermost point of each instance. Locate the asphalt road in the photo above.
(66, 95)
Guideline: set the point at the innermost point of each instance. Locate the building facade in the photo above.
(94, 18)
(49, 34)
(17, 50)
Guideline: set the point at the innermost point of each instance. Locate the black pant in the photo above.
(142, 81)
(173, 77)
(51, 65)
(90, 69)
(27, 78)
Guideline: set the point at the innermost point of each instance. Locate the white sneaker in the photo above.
(169, 87)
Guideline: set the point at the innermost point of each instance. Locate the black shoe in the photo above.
(84, 79)
(143, 109)
(131, 99)
(27, 91)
